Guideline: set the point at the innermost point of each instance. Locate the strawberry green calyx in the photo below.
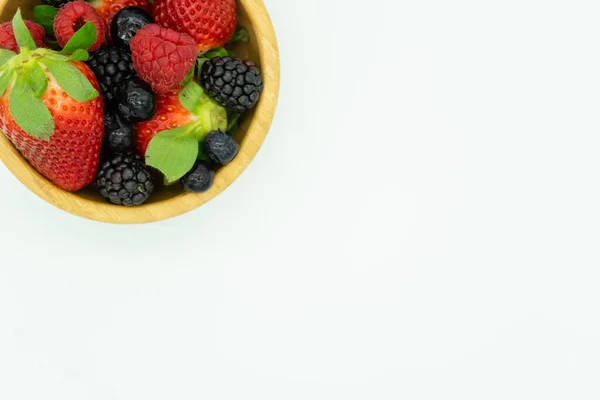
(27, 74)
(220, 52)
(174, 152)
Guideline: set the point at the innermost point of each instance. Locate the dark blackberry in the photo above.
(56, 3)
(112, 66)
(125, 180)
(199, 180)
(220, 147)
(232, 82)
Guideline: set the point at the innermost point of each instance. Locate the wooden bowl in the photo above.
(172, 201)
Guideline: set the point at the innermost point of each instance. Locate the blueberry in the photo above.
(198, 180)
(118, 133)
(220, 147)
(125, 25)
(136, 101)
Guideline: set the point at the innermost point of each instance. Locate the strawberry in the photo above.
(50, 108)
(162, 57)
(170, 140)
(211, 23)
(109, 8)
(170, 114)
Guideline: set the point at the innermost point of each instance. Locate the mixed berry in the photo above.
(112, 66)
(126, 96)
(125, 180)
(232, 82)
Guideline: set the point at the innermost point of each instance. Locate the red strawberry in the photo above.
(72, 17)
(109, 8)
(162, 57)
(70, 158)
(51, 111)
(7, 35)
(183, 118)
(210, 22)
(170, 114)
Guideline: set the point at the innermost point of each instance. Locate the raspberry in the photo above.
(162, 57)
(7, 36)
(72, 17)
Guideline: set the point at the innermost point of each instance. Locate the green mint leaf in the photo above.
(173, 153)
(29, 112)
(231, 53)
(84, 38)
(167, 182)
(199, 63)
(53, 44)
(22, 34)
(202, 155)
(233, 124)
(37, 80)
(5, 80)
(71, 80)
(44, 15)
(232, 129)
(233, 119)
(220, 52)
(6, 56)
(240, 35)
(190, 96)
(79, 55)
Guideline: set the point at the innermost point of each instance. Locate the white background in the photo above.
(422, 223)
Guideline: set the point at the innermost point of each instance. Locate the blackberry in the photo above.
(125, 180)
(232, 82)
(220, 147)
(56, 3)
(112, 66)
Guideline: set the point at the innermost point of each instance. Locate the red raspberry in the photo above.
(72, 17)
(162, 57)
(7, 36)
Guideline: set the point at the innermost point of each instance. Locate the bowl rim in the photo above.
(184, 202)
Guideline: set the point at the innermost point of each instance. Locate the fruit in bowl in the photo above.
(134, 116)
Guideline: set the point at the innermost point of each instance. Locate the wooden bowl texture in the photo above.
(171, 201)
